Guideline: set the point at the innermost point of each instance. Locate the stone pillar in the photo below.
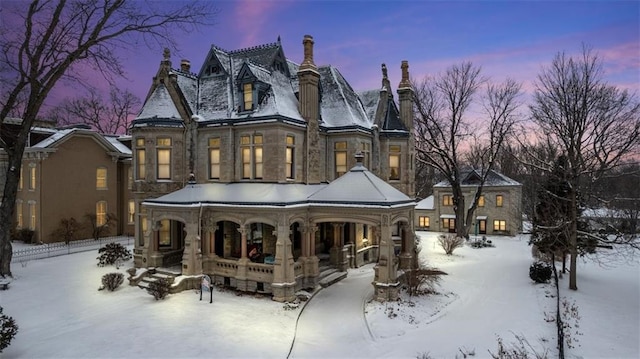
(310, 261)
(408, 244)
(192, 255)
(241, 274)
(385, 283)
(336, 250)
(284, 281)
(154, 256)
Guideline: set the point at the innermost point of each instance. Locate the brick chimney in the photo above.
(309, 107)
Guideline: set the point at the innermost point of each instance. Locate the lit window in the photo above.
(143, 229)
(251, 152)
(21, 181)
(19, 220)
(164, 233)
(131, 211)
(101, 178)
(129, 178)
(423, 222)
(447, 200)
(101, 213)
(394, 162)
(247, 90)
(448, 223)
(499, 225)
(141, 158)
(482, 226)
(164, 158)
(289, 157)
(32, 178)
(214, 158)
(481, 201)
(499, 200)
(32, 216)
(341, 158)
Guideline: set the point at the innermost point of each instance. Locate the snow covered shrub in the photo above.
(111, 281)
(111, 253)
(423, 281)
(449, 242)
(159, 288)
(540, 272)
(520, 350)
(67, 230)
(482, 243)
(8, 330)
(24, 235)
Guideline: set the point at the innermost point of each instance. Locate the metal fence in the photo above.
(23, 255)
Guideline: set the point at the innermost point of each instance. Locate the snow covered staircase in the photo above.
(329, 276)
(155, 274)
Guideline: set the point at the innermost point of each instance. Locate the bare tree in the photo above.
(448, 131)
(108, 117)
(52, 38)
(594, 125)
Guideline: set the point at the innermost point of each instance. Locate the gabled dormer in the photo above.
(251, 90)
(212, 65)
(279, 62)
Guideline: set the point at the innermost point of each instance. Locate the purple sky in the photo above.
(508, 39)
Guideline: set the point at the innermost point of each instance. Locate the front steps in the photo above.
(329, 276)
(155, 274)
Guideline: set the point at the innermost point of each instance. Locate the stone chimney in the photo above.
(405, 97)
(185, 65)
(309, 107)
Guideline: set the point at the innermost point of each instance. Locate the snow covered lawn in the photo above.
(487, 293)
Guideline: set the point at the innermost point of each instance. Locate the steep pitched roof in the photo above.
(159, 106)
(340, 106)
(426, 203)
(472, 178)
(109, 143)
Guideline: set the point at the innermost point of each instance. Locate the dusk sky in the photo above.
(506, 38)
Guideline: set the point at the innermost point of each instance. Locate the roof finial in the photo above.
(384, 71)
(359, 157)
(166, 53)
(405, 75)
(278, 39)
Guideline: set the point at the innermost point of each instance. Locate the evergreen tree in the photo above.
(551, 218)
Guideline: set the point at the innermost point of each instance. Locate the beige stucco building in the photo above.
(258, 171)
(499, 208)
(72, 173)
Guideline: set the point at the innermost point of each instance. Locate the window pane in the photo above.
(32, 178)
(164, 141)
(394, 148)
(258, 161)
(140, 142)
(214, 154)
(394, 167)
(481, 201)
(101, 213)
(341, 163)
(290, 140)
(32, 215)
(164, 164)
(289, 161)
(246, 163)
(130, 178)
(248, 97)
(140, 161)
(257, 139)
(245, 140)
(101, 178)
(19, 223)
(214, 142)
(340, 146)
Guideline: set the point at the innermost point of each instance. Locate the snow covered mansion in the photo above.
(260, 172)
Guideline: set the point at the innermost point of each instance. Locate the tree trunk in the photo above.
(7, 209)
(573, 238)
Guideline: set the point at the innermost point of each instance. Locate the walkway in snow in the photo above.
(335, 315)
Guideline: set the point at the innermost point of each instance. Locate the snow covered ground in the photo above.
(486, 294)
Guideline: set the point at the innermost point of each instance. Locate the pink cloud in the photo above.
(252, 19)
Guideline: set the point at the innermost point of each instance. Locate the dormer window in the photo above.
(247, 95)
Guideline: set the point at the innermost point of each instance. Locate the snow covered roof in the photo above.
(472, 178)
(426, 203)
(356, 188)
(213, 95)
(110, 143)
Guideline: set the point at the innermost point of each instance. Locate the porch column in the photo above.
(243, 262)
(154, 257)
(310, 261)
(192, 255)
(408, 244)
(385, 283)
(336, 251)
(284, 281)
